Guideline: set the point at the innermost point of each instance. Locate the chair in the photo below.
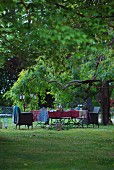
(96, 110)
(25, 118)
(83, 118)
(93, 116)
(43, 117)
(22, 118)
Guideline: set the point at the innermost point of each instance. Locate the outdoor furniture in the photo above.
(35, 115)
(82, 118)
(43, 117)
(60, 117)
(93, 117)
(25, 118)
(73, 118)
(70, 117)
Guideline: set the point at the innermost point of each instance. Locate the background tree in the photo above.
(8, 76)
(74, 39)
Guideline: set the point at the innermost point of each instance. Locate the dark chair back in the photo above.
(25, 118)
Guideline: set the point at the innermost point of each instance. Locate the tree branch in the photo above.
(27, 11)
(82, 15)
(73, 82)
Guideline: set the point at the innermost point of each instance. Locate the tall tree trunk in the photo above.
(105, 102)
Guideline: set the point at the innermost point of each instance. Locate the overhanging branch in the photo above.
(74, 82)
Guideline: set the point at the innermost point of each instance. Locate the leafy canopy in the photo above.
(58, 40)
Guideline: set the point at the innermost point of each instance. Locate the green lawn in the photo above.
(43, 149)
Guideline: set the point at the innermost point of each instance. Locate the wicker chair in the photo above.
(25, 118)
(22, 118)
(94, 116)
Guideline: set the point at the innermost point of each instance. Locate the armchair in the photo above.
(94, 116)
(25, 118)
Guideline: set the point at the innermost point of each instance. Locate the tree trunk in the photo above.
(105, 102)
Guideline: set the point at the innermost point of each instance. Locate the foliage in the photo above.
(74, 40)
(8, 76)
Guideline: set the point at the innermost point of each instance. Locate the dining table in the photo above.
(67, 114)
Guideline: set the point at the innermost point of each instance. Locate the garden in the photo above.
(42, 148)
(59, 54)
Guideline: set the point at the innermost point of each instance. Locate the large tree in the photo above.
(73, 38)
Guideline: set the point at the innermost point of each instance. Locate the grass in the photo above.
(43, 149)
